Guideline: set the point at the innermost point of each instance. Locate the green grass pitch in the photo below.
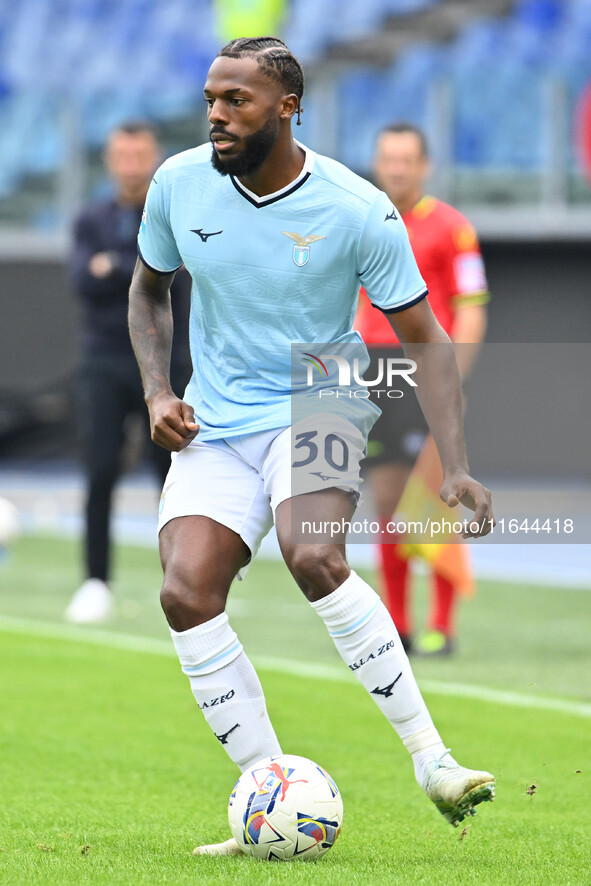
(108, 773)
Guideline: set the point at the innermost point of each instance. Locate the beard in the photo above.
(257, 148)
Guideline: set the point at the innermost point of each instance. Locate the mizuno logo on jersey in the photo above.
(301, 249)
(204, 236)
(392, 215)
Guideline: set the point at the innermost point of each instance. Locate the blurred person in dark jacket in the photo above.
(102, 262)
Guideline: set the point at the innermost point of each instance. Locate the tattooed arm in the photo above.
(439, 394)
(172, 421)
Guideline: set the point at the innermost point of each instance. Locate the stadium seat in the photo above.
(154, 55)
(404, 7)
(308, 27)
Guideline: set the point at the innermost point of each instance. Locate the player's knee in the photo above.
(318, 569)
(187, 604)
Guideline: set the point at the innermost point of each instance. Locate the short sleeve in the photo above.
(156, 243)
(387, 267)
(468, 267)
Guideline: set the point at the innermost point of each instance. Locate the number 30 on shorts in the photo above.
(326, 451)
(335, 450)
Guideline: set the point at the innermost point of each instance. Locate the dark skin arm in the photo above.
(172, 421)
(439, 393)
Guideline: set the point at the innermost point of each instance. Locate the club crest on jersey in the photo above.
(301, 249)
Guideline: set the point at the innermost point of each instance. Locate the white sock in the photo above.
(227, 690)
(368, 643)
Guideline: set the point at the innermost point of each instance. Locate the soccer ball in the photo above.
(285, 807)
(9, 523)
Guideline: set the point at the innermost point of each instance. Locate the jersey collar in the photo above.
(303, 176)
(424, 207)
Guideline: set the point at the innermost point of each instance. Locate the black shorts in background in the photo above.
(399, 433)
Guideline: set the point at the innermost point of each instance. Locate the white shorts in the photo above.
(239, 482)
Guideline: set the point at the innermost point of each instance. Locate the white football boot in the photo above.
(91, 604)
(456, 790)
(228, 847)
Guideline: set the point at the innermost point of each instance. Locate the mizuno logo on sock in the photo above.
(223, 738)
(387, 690)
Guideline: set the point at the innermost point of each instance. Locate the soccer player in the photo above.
(278, 241)
(446, 249)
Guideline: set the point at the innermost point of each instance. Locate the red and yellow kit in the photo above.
(446, 250)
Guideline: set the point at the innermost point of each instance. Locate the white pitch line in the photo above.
(506, 697)
(436, 687)
(309, 670)
(93, 636)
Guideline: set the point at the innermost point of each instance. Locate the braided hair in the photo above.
(274, 60)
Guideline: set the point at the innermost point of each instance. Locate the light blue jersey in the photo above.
(268, 272)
